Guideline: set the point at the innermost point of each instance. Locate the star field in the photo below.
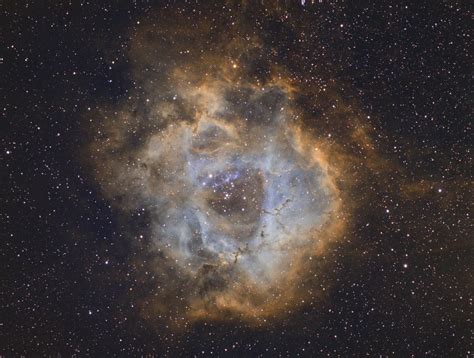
(236, 178)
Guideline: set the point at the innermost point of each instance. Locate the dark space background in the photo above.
(65, 274)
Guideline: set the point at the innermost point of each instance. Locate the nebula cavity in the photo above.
(234, 196)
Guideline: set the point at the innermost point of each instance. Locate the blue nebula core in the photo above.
(241, 199)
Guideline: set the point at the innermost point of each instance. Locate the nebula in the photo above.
(240, 199)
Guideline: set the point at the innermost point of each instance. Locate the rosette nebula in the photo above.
(236, 194)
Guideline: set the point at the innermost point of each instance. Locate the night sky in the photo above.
(236, 178)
